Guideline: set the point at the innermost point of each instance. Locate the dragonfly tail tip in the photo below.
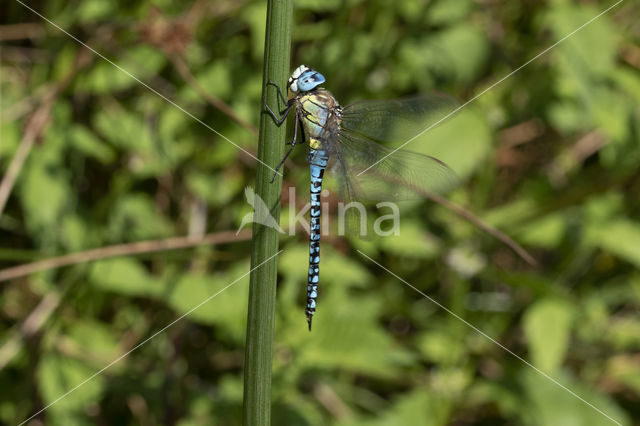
(309, 322)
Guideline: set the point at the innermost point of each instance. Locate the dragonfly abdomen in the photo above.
(319, 116)
(317, 164)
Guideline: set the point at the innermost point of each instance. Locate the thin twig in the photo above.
(122, 250)
(475, 220)
(571, 158)
(173, 36)
(34, 128)
(332, 402)
(521, 133)
(23, 55)
(470, 217)
(631, 55)
(31, 325)
(27, 30)
(23, 106)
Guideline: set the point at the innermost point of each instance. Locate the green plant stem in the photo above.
(262, 292)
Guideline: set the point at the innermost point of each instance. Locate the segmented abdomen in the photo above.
(317, 164)
(319, 113)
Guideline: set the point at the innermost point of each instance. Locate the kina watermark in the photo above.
(353, 218)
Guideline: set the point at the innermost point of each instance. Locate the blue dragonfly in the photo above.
(347, 140)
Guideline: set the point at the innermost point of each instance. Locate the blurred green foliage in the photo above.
(550, 156)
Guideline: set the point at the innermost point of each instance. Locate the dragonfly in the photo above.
(347, 140)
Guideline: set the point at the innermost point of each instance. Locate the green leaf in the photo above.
(510, 213)
(624, 333)
(455, 54)
(224, 306)
(104, 78)
(254, 15)
(218, 192)
(74, 233)
(94, 10)
(546, 232)
(419, 408)
(294, 263)
(45, 193)
(547, 404)
(87, 143)
(620, 237)
(10, 137)
(460, 51)
(610, 114)
(143, 62)
(466, 260)
(566, 116)
(592, 49)
(124, 129)
(96, 339)
(413, 241)
(136, 217)
(443, 12)
(56, 375)
(629, 82)
(320, 5)
(463, 141)
(346, 335)
(216, 79)
(172, 122)
(125, 276)
(547, 325)
(440, 347)
(625, 369)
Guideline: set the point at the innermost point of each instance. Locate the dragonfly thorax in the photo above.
(320, 115)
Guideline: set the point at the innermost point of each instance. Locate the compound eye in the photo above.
(310, 81)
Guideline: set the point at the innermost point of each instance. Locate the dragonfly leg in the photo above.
(289, 104)
(278, 120)
(295, 133)
(293, 143)
(274, 84)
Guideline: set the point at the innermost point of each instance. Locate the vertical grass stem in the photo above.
(262, 293)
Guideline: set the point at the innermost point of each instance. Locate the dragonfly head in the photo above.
(304, 79)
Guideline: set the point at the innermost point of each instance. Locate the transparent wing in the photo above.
(396, 120)
(370, 171)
